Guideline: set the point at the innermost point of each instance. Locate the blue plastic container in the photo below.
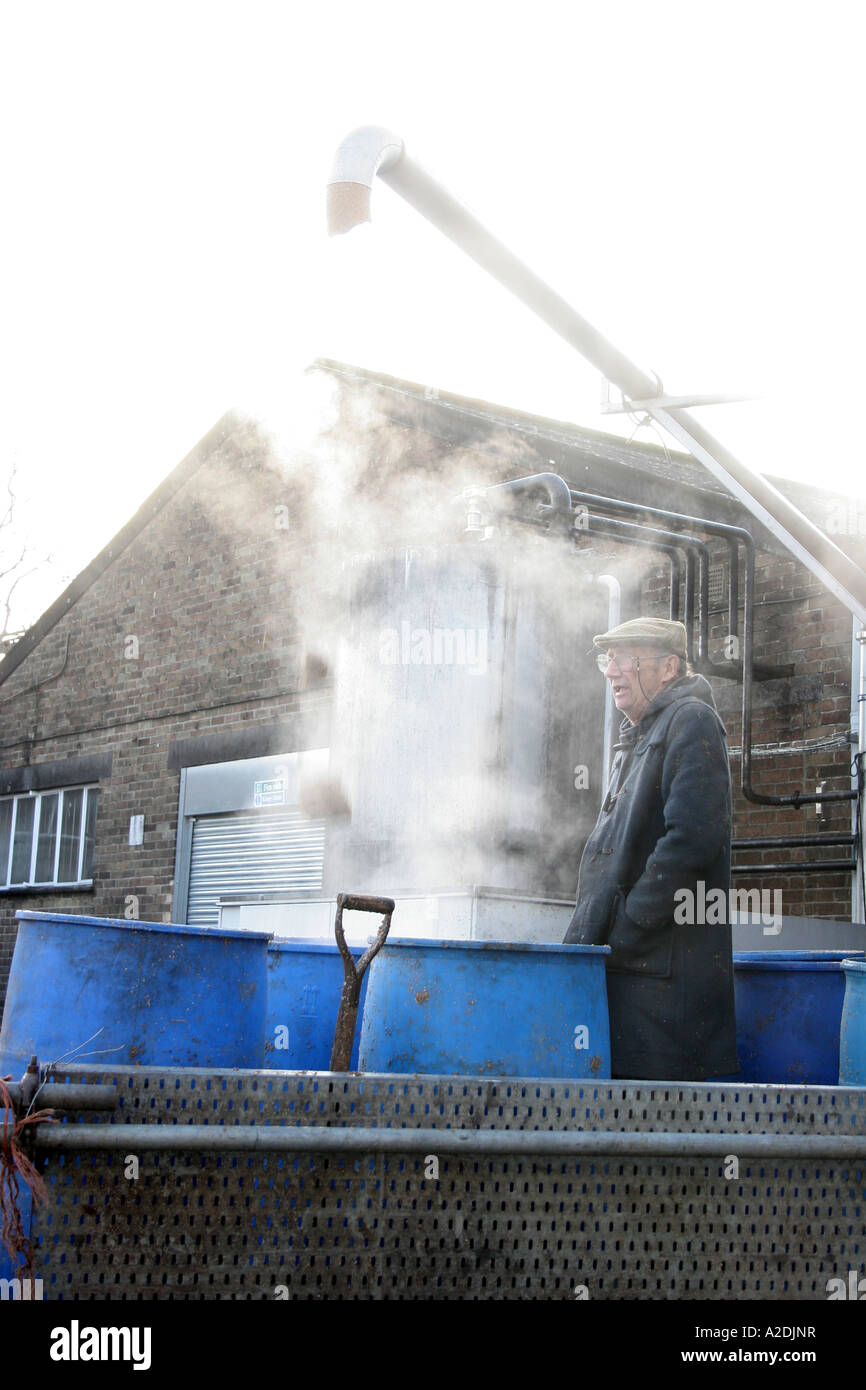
(478, 1008)
(162, 994)
(789, 1011)
(305, 980)
(852, 1040)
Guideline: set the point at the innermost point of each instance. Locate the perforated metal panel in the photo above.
(384, 1226)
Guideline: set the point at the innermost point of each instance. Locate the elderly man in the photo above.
(664, 828)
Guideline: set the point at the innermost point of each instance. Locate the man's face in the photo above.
(634, 689)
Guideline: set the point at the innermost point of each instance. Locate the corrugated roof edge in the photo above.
(207, 445)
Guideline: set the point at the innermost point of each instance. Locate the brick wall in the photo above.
(192, 630)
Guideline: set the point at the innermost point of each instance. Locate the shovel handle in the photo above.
(354, 902)
(344, 1034)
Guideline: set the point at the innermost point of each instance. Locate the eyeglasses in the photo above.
(624, 664)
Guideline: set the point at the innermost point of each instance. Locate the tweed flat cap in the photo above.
(646, 632)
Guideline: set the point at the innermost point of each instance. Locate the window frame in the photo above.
(32, 884)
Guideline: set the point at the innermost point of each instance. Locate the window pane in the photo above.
(47, 841)
(23, 846)
(5, 828)
(70, 834)
(87, 863)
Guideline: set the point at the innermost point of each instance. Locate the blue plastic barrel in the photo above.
(162, 994)
(789, 1011)
(305, 980)
(478, 1008)
(852, 1039)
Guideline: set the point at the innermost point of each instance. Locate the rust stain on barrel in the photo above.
(422, 996)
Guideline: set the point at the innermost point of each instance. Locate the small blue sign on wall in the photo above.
(272, 793)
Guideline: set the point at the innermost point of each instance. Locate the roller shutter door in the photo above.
(251, 852)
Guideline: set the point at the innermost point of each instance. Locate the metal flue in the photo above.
(372, 151)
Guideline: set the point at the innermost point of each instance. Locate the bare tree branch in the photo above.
(15, 563)
(7, 601)
(7, 518)
(11, 572)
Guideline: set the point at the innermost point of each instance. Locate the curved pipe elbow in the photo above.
(358, 160)
(557, 489)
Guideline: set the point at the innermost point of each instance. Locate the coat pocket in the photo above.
(637, 950)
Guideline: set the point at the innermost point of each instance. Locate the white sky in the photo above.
(688, 175)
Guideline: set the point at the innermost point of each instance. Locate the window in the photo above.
(46, 838)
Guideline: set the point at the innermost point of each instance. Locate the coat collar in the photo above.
(696, 686)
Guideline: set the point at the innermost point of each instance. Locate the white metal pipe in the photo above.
(782, 519)
(365, 153)
(373, 150)
(614, 613)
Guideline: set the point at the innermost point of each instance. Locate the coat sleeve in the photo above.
(696, 791)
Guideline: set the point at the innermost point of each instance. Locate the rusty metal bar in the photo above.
(803, 866)
(795, 841)
(72, 1097)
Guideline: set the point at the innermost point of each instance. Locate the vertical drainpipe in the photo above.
(858, 727)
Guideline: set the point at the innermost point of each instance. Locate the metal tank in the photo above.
(468, 721)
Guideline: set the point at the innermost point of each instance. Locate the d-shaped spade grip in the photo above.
(347, 1018)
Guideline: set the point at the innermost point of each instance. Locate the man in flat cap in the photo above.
(664, 827)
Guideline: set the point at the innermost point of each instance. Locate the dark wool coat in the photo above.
(665, 825)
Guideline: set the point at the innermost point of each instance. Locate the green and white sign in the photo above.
(271, 793)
